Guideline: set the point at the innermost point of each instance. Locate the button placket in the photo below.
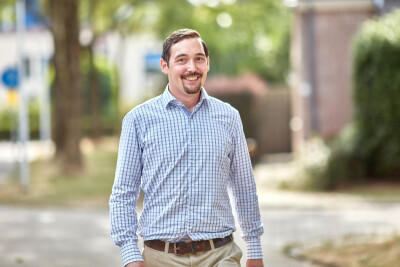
(192, 165)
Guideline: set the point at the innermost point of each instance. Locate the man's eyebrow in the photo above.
(185, 55)
(181, 55)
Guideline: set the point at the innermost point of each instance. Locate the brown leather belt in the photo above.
(182, 248)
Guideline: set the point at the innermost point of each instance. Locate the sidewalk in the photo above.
(9, 151)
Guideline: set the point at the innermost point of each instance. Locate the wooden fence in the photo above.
(265, 119)
(273, 131)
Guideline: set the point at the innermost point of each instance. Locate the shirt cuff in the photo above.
(130, 253)
(254, 248)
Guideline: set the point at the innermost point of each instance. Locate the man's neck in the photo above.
(189, 100)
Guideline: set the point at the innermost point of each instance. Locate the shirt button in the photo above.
(192, 185)
(191, 208)
(193, 139)
(193, 162)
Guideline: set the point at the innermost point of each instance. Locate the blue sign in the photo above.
(10, 78)
(33, 10)
(152, 62)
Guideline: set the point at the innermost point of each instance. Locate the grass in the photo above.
(288, 176)
(50, 187)
(379, 191)
(356, 254)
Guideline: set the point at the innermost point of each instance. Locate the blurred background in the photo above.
(317, 84)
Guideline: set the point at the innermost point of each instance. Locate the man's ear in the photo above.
(208, 64)
(164, 66)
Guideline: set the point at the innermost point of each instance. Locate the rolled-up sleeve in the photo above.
(125, 192)
(244, 193)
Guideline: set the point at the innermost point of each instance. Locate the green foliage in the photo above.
(345, 164)
(312, 167)
(256, 41)
(9, 122)
(125, 16)
(6, 4)
(377, 94)
(326, 165)
(108, 84)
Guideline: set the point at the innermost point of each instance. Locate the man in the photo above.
(186, 150)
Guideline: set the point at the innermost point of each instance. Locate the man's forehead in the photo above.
(187, 44)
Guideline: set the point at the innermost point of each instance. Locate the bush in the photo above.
(9, 122)
(376, 96)
(328, 165)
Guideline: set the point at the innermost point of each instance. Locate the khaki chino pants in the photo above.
(225, 256)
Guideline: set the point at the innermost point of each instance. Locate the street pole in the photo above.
(44, 103)
(23, 132)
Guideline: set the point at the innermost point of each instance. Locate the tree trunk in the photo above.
(95, 97)
(67, 84)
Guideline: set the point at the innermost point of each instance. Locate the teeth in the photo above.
(191, 78)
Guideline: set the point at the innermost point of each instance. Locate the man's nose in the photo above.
(191, 65)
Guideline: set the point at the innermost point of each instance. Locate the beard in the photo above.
(194, 89)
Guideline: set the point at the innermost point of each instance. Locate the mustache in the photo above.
(191, 74)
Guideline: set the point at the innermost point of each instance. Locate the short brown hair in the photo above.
(175, 37)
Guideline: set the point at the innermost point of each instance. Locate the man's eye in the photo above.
(201, 59)
(181, 60)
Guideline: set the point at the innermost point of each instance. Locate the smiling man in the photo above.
(187, 152)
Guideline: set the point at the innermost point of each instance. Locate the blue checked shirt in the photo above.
(187, 164)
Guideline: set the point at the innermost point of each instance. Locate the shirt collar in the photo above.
(170, 99)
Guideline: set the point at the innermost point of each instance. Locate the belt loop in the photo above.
(166, 247)
(193, 245)
(212, 244)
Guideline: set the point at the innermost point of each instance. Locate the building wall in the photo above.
(334, 34)
(321, 68)
(136, 83)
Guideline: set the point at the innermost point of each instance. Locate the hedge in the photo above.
(376, 75)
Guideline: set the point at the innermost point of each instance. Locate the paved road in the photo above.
(47, 237)
(66, 238)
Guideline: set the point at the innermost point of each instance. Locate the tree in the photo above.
(243, 36)
(65, 16)
(97, 18)
(67, 83)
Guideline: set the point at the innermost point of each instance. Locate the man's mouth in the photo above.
(192, 77)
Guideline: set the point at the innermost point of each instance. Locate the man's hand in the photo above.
(254, 263)
(136, 264)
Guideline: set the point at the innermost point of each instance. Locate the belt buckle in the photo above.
(192, 246)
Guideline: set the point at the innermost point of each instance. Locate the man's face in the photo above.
(187, 68)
